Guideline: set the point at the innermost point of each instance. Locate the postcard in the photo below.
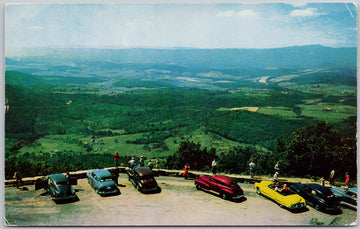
(180, 114)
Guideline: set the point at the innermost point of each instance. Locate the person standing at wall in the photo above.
(157, 163)
(332, 177)
(142, 161)
(116, 159)
(252, 169)
(214, 165)
(347, 179)
(186, 170)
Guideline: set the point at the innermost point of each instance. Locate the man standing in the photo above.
(252, 169)
(116, 159)
(142, 161)
(277, 167)
(157, 163)
(131, 163)
(276, 177)
(331, 177)
(17, 176)
(150, 165)
(214, 166)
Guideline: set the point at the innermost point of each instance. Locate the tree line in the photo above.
(311, 151)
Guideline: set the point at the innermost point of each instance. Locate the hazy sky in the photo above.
(179, 25)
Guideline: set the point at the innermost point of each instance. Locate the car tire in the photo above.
(198, 187)
(224, 196)
(258, 191)
(317, 207)
(138, 188)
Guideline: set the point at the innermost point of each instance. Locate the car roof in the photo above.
(320, 188)
(143, 171)
(102, 173)
(224, 179)
(58, 177)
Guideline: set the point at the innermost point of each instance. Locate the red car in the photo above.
(223, 185)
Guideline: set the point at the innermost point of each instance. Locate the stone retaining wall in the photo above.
(162, 172)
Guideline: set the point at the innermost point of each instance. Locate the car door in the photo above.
(92, 179)
(311, 195)
(306, 193)
(214, 185)
(97, 182)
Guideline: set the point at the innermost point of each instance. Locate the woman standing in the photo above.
(347, 179)
(186, 168)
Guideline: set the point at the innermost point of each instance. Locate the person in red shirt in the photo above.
(347, 179)
(186, 168)
(116, 159)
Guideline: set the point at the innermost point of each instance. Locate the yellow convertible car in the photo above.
(280, 194)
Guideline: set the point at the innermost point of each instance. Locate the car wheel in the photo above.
(224, 196)
(258, 191)
(198, 187)
(138, 188)
(317, 207)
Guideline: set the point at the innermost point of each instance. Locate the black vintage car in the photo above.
(320, 197)
(59, 187)
(143, 179)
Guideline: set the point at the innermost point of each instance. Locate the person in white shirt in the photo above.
(252, 169)
(214, 166)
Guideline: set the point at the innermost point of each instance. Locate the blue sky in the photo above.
(179, 25)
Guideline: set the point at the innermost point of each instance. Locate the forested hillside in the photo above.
(81, 106)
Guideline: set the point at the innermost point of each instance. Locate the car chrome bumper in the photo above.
(153, 189)
(348, 205)
(112, 192)
(238, 197)
(64, 197)
(297, 206)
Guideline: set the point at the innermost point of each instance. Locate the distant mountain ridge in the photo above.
(296, 56)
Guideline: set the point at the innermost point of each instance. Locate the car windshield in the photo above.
(146, 177)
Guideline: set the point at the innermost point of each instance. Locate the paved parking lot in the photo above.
(179, 203)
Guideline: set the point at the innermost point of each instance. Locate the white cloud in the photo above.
(229, 13)
(247, 13)
(309, 12)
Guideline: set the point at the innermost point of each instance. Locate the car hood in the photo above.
(294, 199)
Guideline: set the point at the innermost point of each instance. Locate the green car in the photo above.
(102, 182)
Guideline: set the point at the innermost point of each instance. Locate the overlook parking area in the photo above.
(179, 203)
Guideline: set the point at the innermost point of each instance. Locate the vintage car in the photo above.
(102, 182)
(143, 179)
(318, 196)
(59, 187)
(285, 198)
(225, 186)
(348, 197)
